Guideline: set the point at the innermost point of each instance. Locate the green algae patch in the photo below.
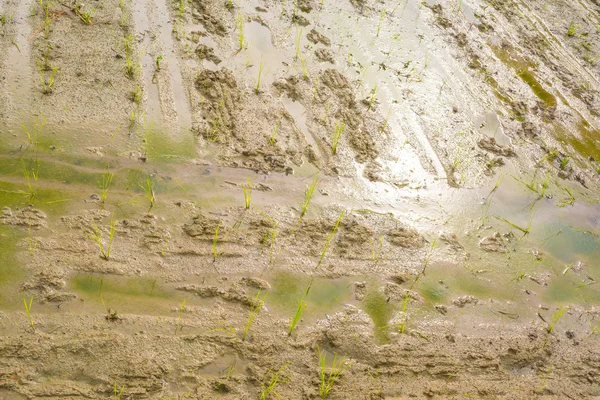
(161, 147)
(523, 71)
(11, 272)
(126, 294)
(324, 294)
(376, 305)
(51, 201)
(46, 171)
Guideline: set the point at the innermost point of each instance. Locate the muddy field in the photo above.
(299, 199)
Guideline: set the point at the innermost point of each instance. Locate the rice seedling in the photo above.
(136, 94)
(47, 84)
(525, 230)
(305, 70)
(327, 107)
(297, 42)
(555, 318)
(299, 311)
(157, 62)
(386, 121)
(329, 378)
(181, 8)
(28, 311)
(229, 5)
(247, 188)
(258, 303)
(273, 137)
(181, 311)
(330, 237)
(382, 15)
(268, 386)
(148, 189)
(31, 244)
(85, 16)
(215, 241)
(337, 133)
(96, 237)
(572, 30)
(230, 368)
(240, 28)
(376, 250)
(569, 200)
(402, 325)
(372, 98)
(118, 393)
(104, 183)
(308, 194)
(564, 161)
(260, 71)
(488, 201)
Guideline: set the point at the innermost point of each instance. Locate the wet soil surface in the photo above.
(349, 199)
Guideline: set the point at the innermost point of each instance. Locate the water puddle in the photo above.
(325, 295)
(489, 124)
(298, 113)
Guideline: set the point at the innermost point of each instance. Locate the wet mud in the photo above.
(206, 199)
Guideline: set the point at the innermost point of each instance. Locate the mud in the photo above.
(159, 228)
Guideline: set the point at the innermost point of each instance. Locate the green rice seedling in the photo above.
(569, 200)
(382, 15)
(181, 311)
(298, 315)
(260, 71)
(402, 325)
(104, 183)
(305, 70)
(376, 252)
(148, 189)
(297, 41)
(488, 201)
(229, 5)
(525, 230)
(31, 244)
(85, 16)
(96, 237)
(158, 60)
(268, 386)
(274, 133)
(329, 378)
(337, 133)
(372, 98)
(136, 94)
(258, 303)
(181, 8)
(555, 318)
(564, 161)
(330, 237)
(308, 194)
(47, 84)
(118, 393)
(230, 368)
(240, 28)
(327, 107)
(247, 188)
(215, 241)
(28, 311)
(386, 122)
(572, 30)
